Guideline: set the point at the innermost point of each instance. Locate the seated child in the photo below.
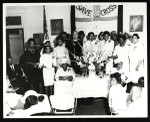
(64, 72)
(117, 95)
(118, 67)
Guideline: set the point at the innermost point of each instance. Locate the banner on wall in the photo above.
(96, 18)
(87, 13)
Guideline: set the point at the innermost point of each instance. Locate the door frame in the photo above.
(7, 39)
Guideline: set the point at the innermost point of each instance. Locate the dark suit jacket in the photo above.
(14, 74)
(78, 45)
(75, 47)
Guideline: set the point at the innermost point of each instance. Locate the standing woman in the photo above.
(105, 52)
(88, 46)
(99, 45)
(48, 62)
(106, 48)
(29, 62)
(136, 58)
(121, 52)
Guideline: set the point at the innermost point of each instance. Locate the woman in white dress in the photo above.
(136, 56)
(48, 62)
(88, 46)
(106, 47)
(105, 50)
(121, 52)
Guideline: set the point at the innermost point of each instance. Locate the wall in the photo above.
(33, 21)
(105, 20)
(97, 26)
(138, 9)
(33, 18)
(135, 9)
(58, 12)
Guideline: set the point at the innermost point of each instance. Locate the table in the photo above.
(91, 87)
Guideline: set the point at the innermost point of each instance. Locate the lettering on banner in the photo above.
(108, 10)
(84, 10)
(102, 12)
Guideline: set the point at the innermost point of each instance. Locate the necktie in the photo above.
(12, 67)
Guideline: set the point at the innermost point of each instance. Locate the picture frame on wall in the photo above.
(56, 26)
(136, 23)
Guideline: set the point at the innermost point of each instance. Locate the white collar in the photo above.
(12, 65)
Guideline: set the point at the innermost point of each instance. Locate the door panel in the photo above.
(16, 44)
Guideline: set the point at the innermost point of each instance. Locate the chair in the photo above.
(63, 101)
(63, 87)
(63, 104)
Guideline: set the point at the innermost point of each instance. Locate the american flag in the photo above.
(45, 25)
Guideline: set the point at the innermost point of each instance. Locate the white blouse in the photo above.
(106, 49)
(61, 72)
(117, 98)
(61, 51)
(47, 60)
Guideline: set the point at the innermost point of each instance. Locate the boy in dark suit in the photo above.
(16, 76)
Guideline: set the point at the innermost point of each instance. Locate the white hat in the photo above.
(29, 92)
(117, 61)
(64, 61)
(46, 40)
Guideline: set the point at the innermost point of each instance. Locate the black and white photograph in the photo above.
(56, 26)
(136, 23)
(75, 60)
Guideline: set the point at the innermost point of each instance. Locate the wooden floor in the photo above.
(87, 106)
(92, 106)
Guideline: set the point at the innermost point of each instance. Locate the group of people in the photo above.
(107, 49)
(118, 56)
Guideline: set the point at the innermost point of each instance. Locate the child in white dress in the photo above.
(48, 62)
(61, 52)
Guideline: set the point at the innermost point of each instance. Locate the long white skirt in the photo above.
(135, 75)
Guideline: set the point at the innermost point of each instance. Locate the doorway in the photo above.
(15, 43)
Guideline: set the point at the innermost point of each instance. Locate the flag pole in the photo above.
(45, 31)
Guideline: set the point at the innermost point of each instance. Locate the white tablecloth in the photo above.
(90, 87)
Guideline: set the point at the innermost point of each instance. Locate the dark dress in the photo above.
(34, 74)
